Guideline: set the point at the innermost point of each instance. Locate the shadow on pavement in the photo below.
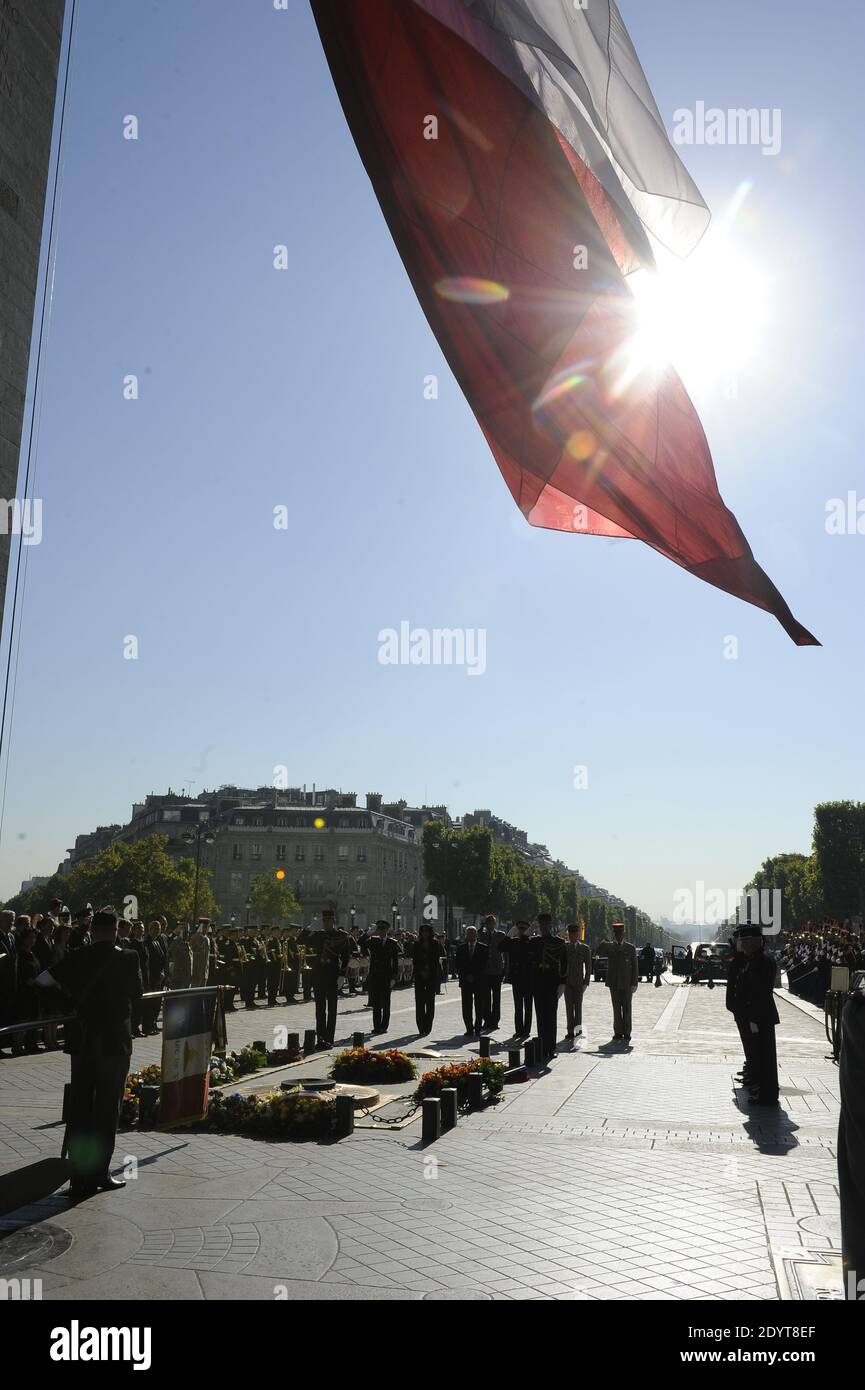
(31, 1184)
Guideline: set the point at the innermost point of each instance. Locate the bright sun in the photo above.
(706, 315)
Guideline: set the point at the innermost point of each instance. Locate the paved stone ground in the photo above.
(617, 1174)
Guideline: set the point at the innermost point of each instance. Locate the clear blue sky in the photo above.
(259, 647)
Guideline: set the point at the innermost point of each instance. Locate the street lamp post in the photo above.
(393, 914)
(352, 912)
(199, 836)
(248, 908)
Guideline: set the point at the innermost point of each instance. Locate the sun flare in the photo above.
(706, 316)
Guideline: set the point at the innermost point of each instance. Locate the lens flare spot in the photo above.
(582, 444)
(569, 380)
(318, 823)
(469, 289)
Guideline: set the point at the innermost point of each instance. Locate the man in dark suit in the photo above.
(516, 949)
(383, 971)
(157, 967)
(8, 971)
(105, 985)
(737, 964)
(470, 965)
(755, 1000)
(549, 957)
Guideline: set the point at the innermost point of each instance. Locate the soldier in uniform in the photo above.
(548, 956)
(199, 945)
(755, 999)
(253, 962)
(330, 951)
(232, 962)
(105, 984)
(577, 977)
(293, 958)
(383, 971)
(275, 964)
(623, 976)
(179, 960)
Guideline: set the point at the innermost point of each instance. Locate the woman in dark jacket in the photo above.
(428, 957)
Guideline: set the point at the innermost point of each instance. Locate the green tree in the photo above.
(272, 899)
(839, 841)
(143, 871)
(795, 877)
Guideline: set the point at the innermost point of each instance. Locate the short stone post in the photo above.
(344, 1116)
(448, 1108)
(431, 1119)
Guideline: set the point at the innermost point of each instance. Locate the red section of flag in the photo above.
(185, 1101)
(487, 217)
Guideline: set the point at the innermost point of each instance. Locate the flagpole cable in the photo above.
(35, 416)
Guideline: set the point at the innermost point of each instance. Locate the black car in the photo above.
(711, 961)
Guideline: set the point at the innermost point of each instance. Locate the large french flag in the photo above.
(187, 1038)
(523, 169)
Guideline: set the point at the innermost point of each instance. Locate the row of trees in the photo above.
(470, 869)
(153, 883)
(143, 872)
(828, 882)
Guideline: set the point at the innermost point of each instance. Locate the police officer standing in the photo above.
(754, 998)
(105, 985)
(383, 971)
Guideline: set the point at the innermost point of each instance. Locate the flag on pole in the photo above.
(523, 169)
(187, 1036)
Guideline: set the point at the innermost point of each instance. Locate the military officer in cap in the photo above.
(754, 999)
(199, 947)
(105, 985)
(179, 961)
(623, 976)
(275, 963)
(330, 960)
(253, 964)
